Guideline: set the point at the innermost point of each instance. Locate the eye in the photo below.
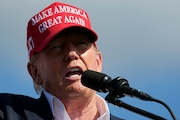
(83, 44)
(55, 47)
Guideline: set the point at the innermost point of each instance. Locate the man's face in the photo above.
(60, 65)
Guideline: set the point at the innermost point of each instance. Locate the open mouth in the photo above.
(74, 73)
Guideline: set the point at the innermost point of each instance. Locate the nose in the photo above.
(71, 53)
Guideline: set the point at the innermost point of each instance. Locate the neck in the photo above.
(80, 110)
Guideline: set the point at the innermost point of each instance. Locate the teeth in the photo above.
(73, 73)
(74, 69)
(74, 76)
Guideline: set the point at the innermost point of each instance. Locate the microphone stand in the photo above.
(111, 99)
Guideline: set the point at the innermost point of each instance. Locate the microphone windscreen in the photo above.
(92, 79)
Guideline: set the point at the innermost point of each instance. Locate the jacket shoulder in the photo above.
(7, 98)
(24, 107)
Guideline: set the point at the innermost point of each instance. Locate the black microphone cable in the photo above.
(166, 106)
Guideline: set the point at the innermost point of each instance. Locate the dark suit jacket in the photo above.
(19, 107)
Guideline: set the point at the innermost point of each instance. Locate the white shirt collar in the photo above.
(102, 107)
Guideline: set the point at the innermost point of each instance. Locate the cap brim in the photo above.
(90, 33)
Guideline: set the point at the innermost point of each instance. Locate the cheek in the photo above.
(43, 67)
(91, 61)
(48, 70)
(51, 76)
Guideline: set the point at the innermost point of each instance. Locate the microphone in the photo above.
(119, 86)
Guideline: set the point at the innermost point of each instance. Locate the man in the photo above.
(61, 46)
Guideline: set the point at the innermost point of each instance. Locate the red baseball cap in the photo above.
(46, 24)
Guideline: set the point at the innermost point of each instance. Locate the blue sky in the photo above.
(139, 40)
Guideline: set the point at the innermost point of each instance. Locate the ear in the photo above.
(99, 61)
(32, 69)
